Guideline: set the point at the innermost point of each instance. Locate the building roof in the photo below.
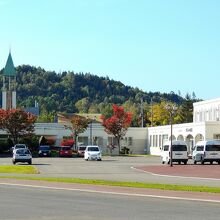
(9, 69)
(33, 110)
(62, 118)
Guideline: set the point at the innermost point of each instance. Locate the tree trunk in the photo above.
(119, 147)
(75, 141)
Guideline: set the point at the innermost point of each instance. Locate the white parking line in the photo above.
(113, 193)
(183, 177)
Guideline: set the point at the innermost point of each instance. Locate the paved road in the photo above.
(112, 168)
(46, 204)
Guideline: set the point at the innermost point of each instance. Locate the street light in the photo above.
(171, 108)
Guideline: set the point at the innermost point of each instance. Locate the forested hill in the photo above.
(78, 92)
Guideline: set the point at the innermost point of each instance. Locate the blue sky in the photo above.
(155, 45)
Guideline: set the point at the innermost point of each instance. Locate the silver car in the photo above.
(22, 155)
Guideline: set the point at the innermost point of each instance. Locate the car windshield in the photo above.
(81, 148)
(65, 148)
(199, 148)
(45, 148)
(213, 147)
(179, 148)
(166, 147)
(93, 149)
(20, 146)
(23, 151)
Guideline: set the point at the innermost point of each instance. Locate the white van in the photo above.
(206, 151)
(180, 153)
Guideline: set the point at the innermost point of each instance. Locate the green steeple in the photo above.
(9, 69)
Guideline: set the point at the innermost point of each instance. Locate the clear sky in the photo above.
(155, 45)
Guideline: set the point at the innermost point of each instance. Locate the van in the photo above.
(206, 151)
(179, 149)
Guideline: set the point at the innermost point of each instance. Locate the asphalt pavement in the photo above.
(22, 202)
(134, 169)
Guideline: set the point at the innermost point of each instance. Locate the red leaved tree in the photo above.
(17, 123)
(78, 125)
(118, 123)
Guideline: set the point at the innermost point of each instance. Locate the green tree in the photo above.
(186, 110)
(82, 105)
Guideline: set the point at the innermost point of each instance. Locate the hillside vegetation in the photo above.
(70, 92)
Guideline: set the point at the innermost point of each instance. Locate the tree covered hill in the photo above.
(80, 92)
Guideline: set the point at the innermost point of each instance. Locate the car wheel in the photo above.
(163, 162)
(13, 162)
(29, 162)
(179, 162)
(194, 162)
(185, 162)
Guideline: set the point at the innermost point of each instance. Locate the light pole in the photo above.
(142, 113)
(151, 104)
(171, 108)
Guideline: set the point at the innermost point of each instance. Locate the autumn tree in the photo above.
(118, 123)
(17, 123)
(78, 125)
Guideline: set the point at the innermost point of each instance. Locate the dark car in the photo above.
(44, 151)
(81, 151)
(66, 151)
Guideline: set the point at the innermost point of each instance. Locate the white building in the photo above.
(135, 138)
(206, 125)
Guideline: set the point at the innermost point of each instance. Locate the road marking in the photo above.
(183, 177)
(113, 193)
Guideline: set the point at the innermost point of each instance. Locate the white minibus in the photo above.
(206, 151)
(179, 149)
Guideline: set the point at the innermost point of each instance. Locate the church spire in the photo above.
(9, 69)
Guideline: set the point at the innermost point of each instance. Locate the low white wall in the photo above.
(155, 151)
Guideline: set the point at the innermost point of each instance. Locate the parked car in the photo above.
(179, 152)
(22, 155)
(206, 151)
(18, 146)
(92, 153)
(66, 151)
(44, 150)
(81, 151)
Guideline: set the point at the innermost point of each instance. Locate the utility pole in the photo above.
(171, 108)
(142, 113)
(151, 103)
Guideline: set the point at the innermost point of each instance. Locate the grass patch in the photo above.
(18, 169)
(124, 184)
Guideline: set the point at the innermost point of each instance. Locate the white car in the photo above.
(22, 155)
(92, 153)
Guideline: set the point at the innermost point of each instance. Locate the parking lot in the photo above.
(135, 169)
